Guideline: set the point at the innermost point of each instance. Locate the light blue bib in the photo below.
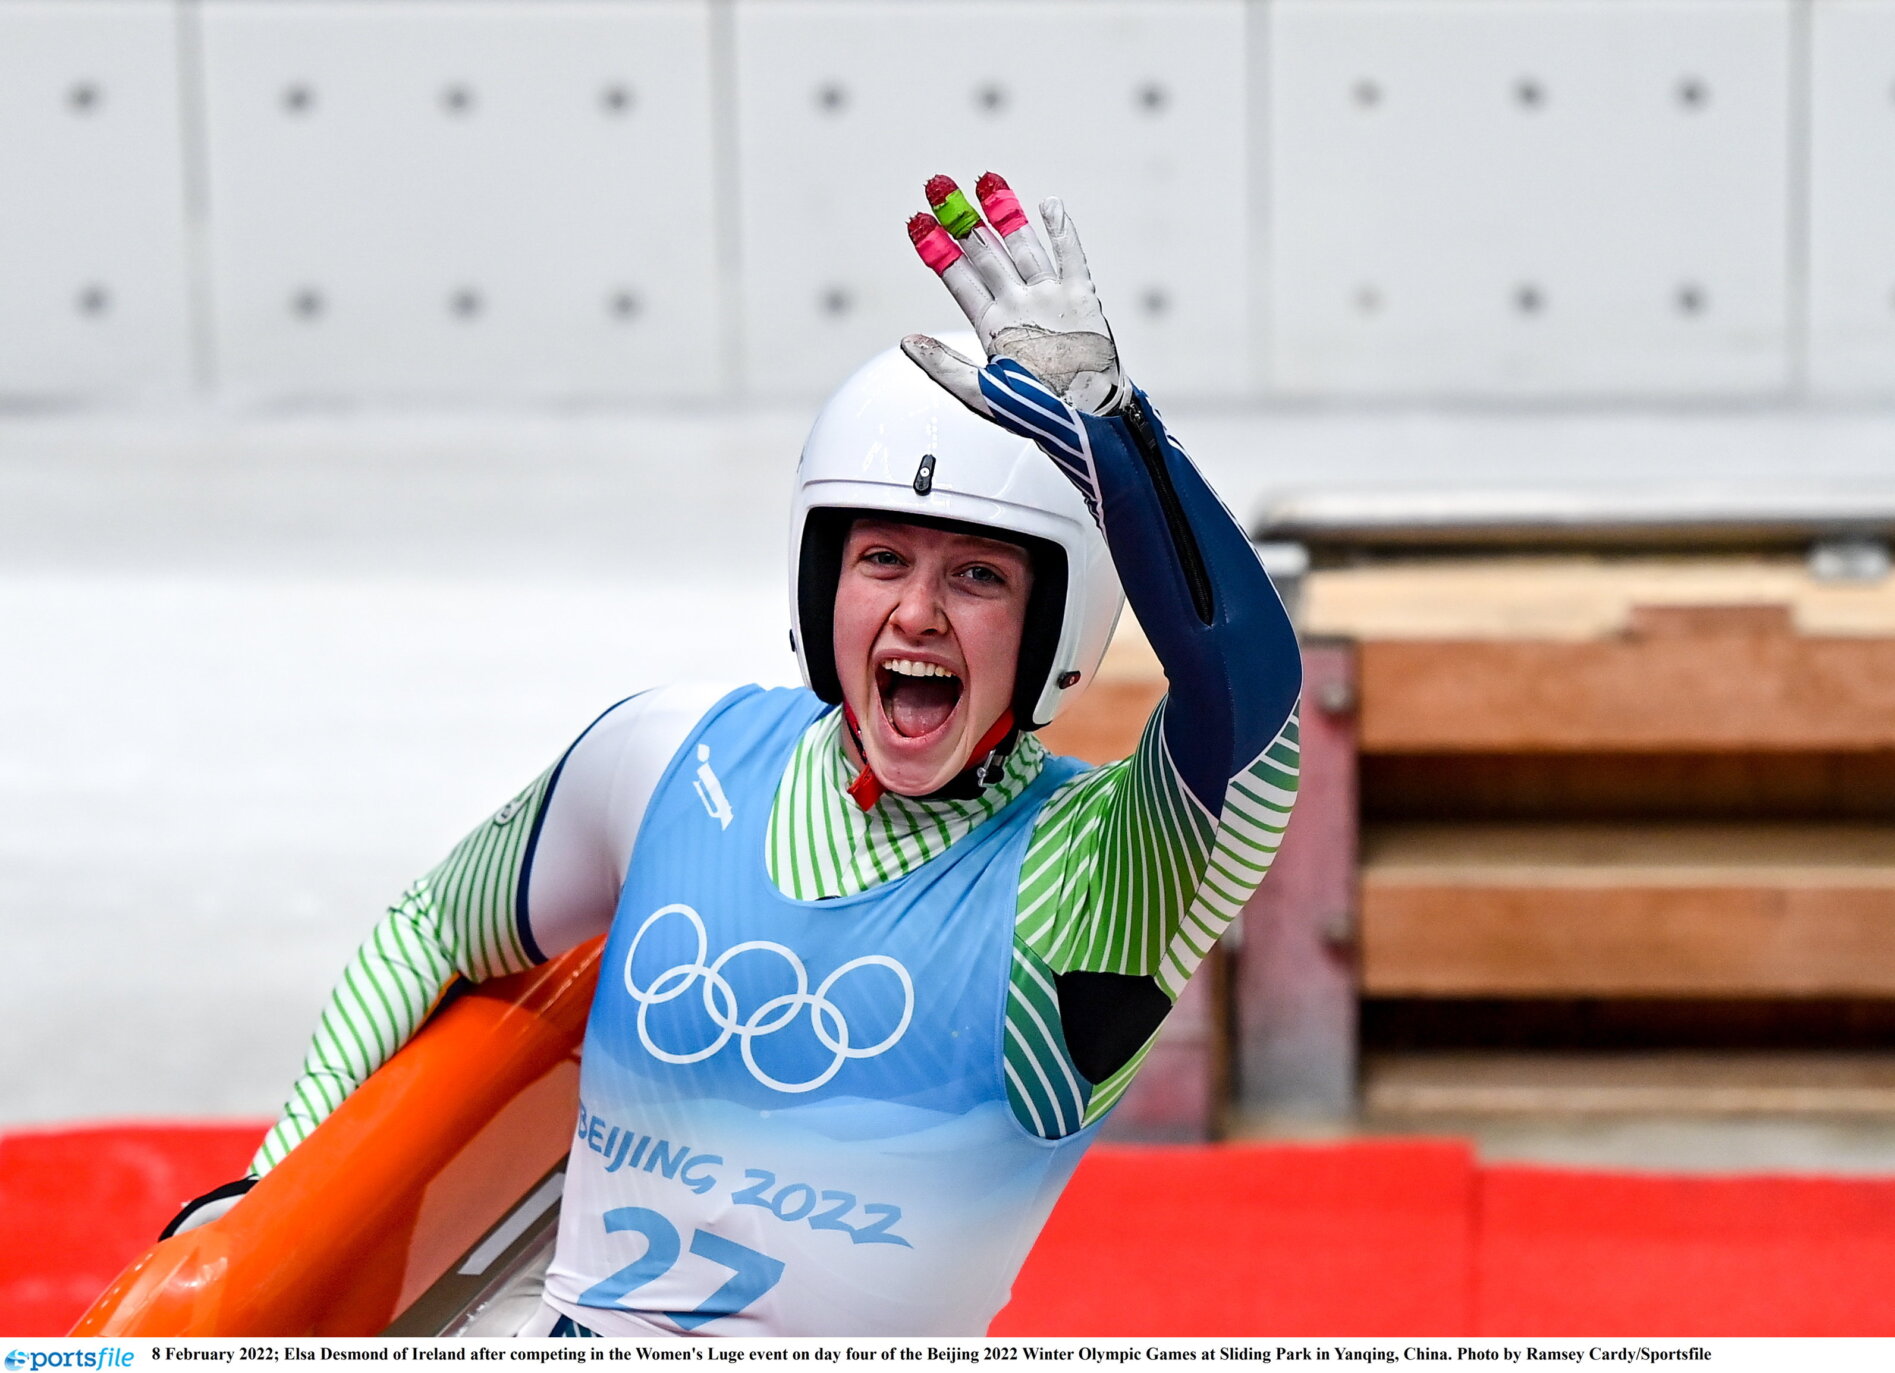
(794, 1116)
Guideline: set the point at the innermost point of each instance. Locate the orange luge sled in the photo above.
(425, 1165)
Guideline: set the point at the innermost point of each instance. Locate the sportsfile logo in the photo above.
(32, 1360)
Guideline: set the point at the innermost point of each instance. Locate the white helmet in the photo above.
(891, 441)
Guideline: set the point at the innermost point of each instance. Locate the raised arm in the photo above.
(1138, 868)
(1188, 570)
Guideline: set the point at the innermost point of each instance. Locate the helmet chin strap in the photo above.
(867, 788)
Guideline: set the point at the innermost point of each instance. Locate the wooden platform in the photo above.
(1659, 1084)
(1465, 909)
(1704, 679)
(1574, 599)
(1573, 654)
(1578, 778)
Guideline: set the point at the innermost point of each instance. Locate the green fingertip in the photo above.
(956, 215)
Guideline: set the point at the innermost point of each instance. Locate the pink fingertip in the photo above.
(1000, 203)
(935, 244)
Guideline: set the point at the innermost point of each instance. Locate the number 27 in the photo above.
(752, 1274)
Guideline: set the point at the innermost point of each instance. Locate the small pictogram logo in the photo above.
(710, 791)
(15, 1359)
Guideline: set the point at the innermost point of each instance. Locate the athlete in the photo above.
(877, 964)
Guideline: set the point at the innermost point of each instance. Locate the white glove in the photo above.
(1042, 313)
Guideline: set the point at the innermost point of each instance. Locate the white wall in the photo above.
(522, 201)
(96, 297)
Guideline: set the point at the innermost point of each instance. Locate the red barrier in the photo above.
(1576, 1253)
(77, 1205)
(1352, 1239)
(1367, 1238)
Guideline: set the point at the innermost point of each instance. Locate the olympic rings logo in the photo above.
(720, 1003)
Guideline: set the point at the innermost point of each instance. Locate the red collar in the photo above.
(867, 788)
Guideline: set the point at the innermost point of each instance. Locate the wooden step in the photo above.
(1740, 686)
(1726, 1084)
(1564, 653)
(1574, 598)
(1623, 910)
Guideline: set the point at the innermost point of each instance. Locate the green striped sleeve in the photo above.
(1115, 860)
(462, 919)
(478, 888)
(1255, 814)
(1047, 1093)
(1128, 872)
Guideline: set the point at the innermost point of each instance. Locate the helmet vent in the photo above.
(924, 475)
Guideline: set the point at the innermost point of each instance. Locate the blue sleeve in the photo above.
(1190, 574)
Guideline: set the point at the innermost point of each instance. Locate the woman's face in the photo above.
(927, 641)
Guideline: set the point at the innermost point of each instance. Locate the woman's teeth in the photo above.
(909, 668)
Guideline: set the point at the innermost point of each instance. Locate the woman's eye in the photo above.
(881, 557)
(986, 575)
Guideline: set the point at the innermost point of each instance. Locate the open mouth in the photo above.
(917, 698)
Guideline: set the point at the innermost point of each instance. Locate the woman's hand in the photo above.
(1040, 310)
